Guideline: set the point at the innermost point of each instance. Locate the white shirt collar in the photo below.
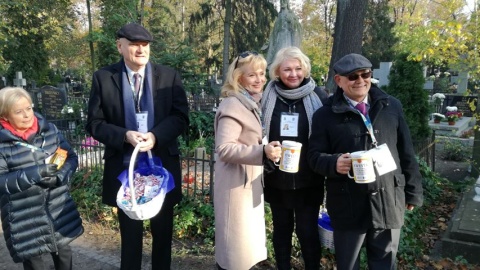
(354, 103)
(131, 72)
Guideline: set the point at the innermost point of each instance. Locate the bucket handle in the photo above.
(130, 171)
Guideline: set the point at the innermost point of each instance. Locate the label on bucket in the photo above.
(362, 167)
(290, 156)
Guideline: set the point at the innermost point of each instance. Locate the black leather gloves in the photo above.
(48, 170)
(49, 175)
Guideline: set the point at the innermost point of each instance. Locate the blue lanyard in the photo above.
(32, 147)
(367, 122)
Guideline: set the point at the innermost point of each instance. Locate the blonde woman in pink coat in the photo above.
(240, 238)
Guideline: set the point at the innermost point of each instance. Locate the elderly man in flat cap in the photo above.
(135, 101)
(361, 117)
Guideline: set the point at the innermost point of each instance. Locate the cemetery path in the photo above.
(99, 249)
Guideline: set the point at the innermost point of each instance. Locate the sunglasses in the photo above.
(354, 76)
(244, 55)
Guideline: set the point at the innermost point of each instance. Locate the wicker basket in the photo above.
(324, 229)
(140, 211)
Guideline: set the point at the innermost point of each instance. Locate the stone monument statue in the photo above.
(287, 31)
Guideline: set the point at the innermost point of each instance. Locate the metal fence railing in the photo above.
(425, 149)
(197, 170)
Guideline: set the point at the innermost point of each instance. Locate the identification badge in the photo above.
(289, 125)
(142, 123)
(382, 159)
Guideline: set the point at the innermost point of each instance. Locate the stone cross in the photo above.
(19, 81)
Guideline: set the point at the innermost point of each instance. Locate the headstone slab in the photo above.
(52, 101)
(461, 102)
(382, 73)
(462, 237)
(462, 81)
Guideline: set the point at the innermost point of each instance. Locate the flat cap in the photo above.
(350, 63)
(134, 32)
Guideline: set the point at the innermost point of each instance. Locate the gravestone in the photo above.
(461, 102)
(381, 74)
(52, 101)
(462, 237)
(19, 81)
(462, 81)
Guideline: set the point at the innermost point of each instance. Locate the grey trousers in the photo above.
(381, 246)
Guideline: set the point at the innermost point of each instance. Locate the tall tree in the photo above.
(318, 18)
(226, 37)
(246, 15)
(379, 38)
(406, 83)
(114, 13)
(31, 29)
(90, 32)
(349, 26)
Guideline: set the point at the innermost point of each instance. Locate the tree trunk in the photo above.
(90, 32)
(348, 33)
(475, 173)
(226, 37)
(140, 12)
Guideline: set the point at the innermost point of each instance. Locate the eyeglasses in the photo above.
(354, 76)
(244, 55)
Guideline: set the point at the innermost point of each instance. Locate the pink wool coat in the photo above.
(240, 240)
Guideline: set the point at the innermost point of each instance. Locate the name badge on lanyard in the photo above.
(142, 121)
(289, 124)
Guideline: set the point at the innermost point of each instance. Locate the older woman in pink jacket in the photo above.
(240, 238)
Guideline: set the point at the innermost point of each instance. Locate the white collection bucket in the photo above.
(362, 166)
(290, 156)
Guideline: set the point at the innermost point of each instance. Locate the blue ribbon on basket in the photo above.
(149, 166)
(324, 221)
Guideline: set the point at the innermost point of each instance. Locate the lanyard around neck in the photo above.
(369, 126)
(290, 105)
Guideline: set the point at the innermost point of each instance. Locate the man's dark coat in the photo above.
(338, 128)
(106, 123)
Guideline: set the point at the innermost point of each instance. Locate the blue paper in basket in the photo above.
(324, 221)
(149, 166)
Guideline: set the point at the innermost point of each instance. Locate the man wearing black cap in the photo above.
(358, 117)
(136, 101)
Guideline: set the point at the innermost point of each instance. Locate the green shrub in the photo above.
(406, 84)
(455, 150)
(194, 218)
(200, 133)
(420, 219)
(86, 190)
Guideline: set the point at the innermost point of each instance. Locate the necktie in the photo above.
(136, 84)
(362, 107)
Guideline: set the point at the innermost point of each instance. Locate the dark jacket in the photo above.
(106, 123)
(338, 128)
(36, 219)
(305, 177)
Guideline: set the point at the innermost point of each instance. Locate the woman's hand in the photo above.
(273, 151)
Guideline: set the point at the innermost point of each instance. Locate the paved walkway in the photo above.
(88, 254)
